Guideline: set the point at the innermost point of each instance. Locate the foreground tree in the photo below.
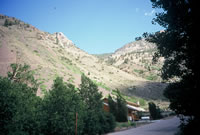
(18, 108)
(178, 44)
(96, 120)
(60, 107)
(63, 110)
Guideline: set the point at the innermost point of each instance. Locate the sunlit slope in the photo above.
(52, 55)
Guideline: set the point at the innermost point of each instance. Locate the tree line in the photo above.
(62, 110)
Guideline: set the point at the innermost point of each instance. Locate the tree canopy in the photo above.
(178, 44)
(23, 112)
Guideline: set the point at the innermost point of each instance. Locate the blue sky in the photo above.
(96, 26)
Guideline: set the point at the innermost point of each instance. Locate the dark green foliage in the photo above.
(22, 74)
(90, 94)
(59, 110)
(179, 45)
(18, 108)
(112, 106)
(122, 110)
(107, 122)
(93, 103)
(118, 108)
(154, 111)
(95, 119)
(24, 113)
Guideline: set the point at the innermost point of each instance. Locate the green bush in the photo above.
(154, 111)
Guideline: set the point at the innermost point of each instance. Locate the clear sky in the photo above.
(96, 26)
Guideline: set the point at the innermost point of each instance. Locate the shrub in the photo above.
(154, 111)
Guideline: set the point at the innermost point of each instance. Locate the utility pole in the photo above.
(76, 123)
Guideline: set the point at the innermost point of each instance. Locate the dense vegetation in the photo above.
(154, 111)
(23, 112)
(118, 107)
(178, 44)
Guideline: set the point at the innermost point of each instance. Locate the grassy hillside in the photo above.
(52, 55)
(136, 58)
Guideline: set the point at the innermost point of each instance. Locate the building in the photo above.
(133, 109)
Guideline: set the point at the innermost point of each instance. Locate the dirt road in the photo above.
(160, 127)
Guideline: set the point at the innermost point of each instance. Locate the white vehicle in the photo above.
(145, 118)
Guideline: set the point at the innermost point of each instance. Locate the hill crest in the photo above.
(52, 55)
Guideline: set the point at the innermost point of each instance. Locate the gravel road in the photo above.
(160, 127)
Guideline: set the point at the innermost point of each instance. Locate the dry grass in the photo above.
(50, 59)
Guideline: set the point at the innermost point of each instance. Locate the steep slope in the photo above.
(52, 55)
(136, 58)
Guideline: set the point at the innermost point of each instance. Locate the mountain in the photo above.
(136, 58)
(52, 55)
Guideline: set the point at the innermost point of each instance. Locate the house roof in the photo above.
(135, 108)
(129, 105)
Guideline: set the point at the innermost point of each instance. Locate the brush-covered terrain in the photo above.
(129, 69)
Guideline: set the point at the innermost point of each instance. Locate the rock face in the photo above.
(52, 55)
(136, 58)
(61, 39)
(137, 46)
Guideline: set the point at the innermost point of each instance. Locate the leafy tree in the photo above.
(178, 44)
(96, 120)
(154, 111)
(90, 94)
(22, 74)
(22, 112)
(18, 108)
(92, 99)
(59, 110)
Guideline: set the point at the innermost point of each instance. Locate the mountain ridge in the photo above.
(52, 55)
